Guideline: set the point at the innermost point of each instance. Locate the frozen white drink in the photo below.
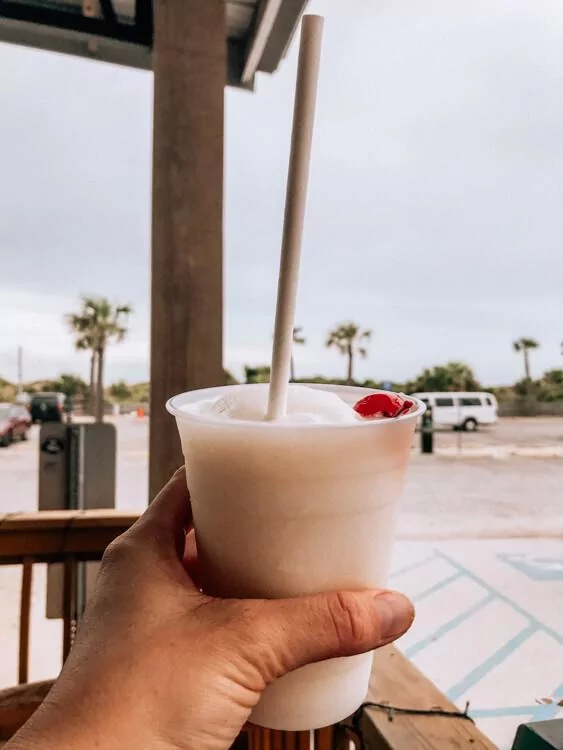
(300, 505)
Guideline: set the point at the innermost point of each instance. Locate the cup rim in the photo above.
(174, 404)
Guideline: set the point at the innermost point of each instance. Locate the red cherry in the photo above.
(407, 406)
(382, 405)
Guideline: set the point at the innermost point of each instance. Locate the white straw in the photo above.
(295, 200)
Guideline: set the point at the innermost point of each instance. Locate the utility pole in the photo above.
(20, 373)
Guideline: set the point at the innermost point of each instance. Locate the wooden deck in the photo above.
(73, 536)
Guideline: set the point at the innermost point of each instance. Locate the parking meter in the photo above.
(67, 409)
(427, 431)
(77, 466)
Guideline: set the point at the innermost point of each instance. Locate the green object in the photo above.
(540, 735)
(427, 431)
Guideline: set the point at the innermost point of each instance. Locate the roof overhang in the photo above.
(121, 31)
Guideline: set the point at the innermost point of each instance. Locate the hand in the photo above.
(157, 665)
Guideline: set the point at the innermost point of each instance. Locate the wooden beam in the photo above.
(397, 682)
(274, 26)
(48, 536)
(267, 13)
(25, 611)
(189, 62)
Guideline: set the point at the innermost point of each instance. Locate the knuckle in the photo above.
(347, 619)
(118, 551)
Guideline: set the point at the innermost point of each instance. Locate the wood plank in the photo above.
(25, 611)
(97, 518)
(270, 739)
(395, 681)
(190, 66)
(242, 741)
(17, 704)
(262, 738)
(48, 536)
(290, 741)
(324, 739)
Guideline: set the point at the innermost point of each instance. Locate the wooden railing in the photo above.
(70, 537)
(67, 537)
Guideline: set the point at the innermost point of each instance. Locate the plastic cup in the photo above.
(288, 509)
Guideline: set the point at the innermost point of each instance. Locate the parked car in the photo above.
(15, 423)
(47, 407)
(462, 411)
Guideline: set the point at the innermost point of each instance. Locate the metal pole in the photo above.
(20, 372)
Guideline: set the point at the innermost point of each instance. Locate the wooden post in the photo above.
(25, 612)
(187, 296)
(270, 739)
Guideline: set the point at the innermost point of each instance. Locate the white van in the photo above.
(464, 411)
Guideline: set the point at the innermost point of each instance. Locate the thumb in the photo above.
(295, 632)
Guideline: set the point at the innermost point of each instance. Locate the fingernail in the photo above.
(395, 613)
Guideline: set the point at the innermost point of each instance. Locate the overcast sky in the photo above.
(435, 210)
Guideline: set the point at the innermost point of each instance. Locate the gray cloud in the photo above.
(434, 211)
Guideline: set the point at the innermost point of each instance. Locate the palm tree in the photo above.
(349, 339)
(524, 345)
(80, 324)
(96, 325)
(84, 343)
(298, 339)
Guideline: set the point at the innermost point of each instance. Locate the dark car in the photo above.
(14, 423)
(47, 407)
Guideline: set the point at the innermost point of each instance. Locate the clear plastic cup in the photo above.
(287, 509)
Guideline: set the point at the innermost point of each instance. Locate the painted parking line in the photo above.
(447, 627)
(411, 566)
(482, 670)
(519, 678)
(454, 654)
(415, 579)
(436, 587)
(444, 609)
(499, 595)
